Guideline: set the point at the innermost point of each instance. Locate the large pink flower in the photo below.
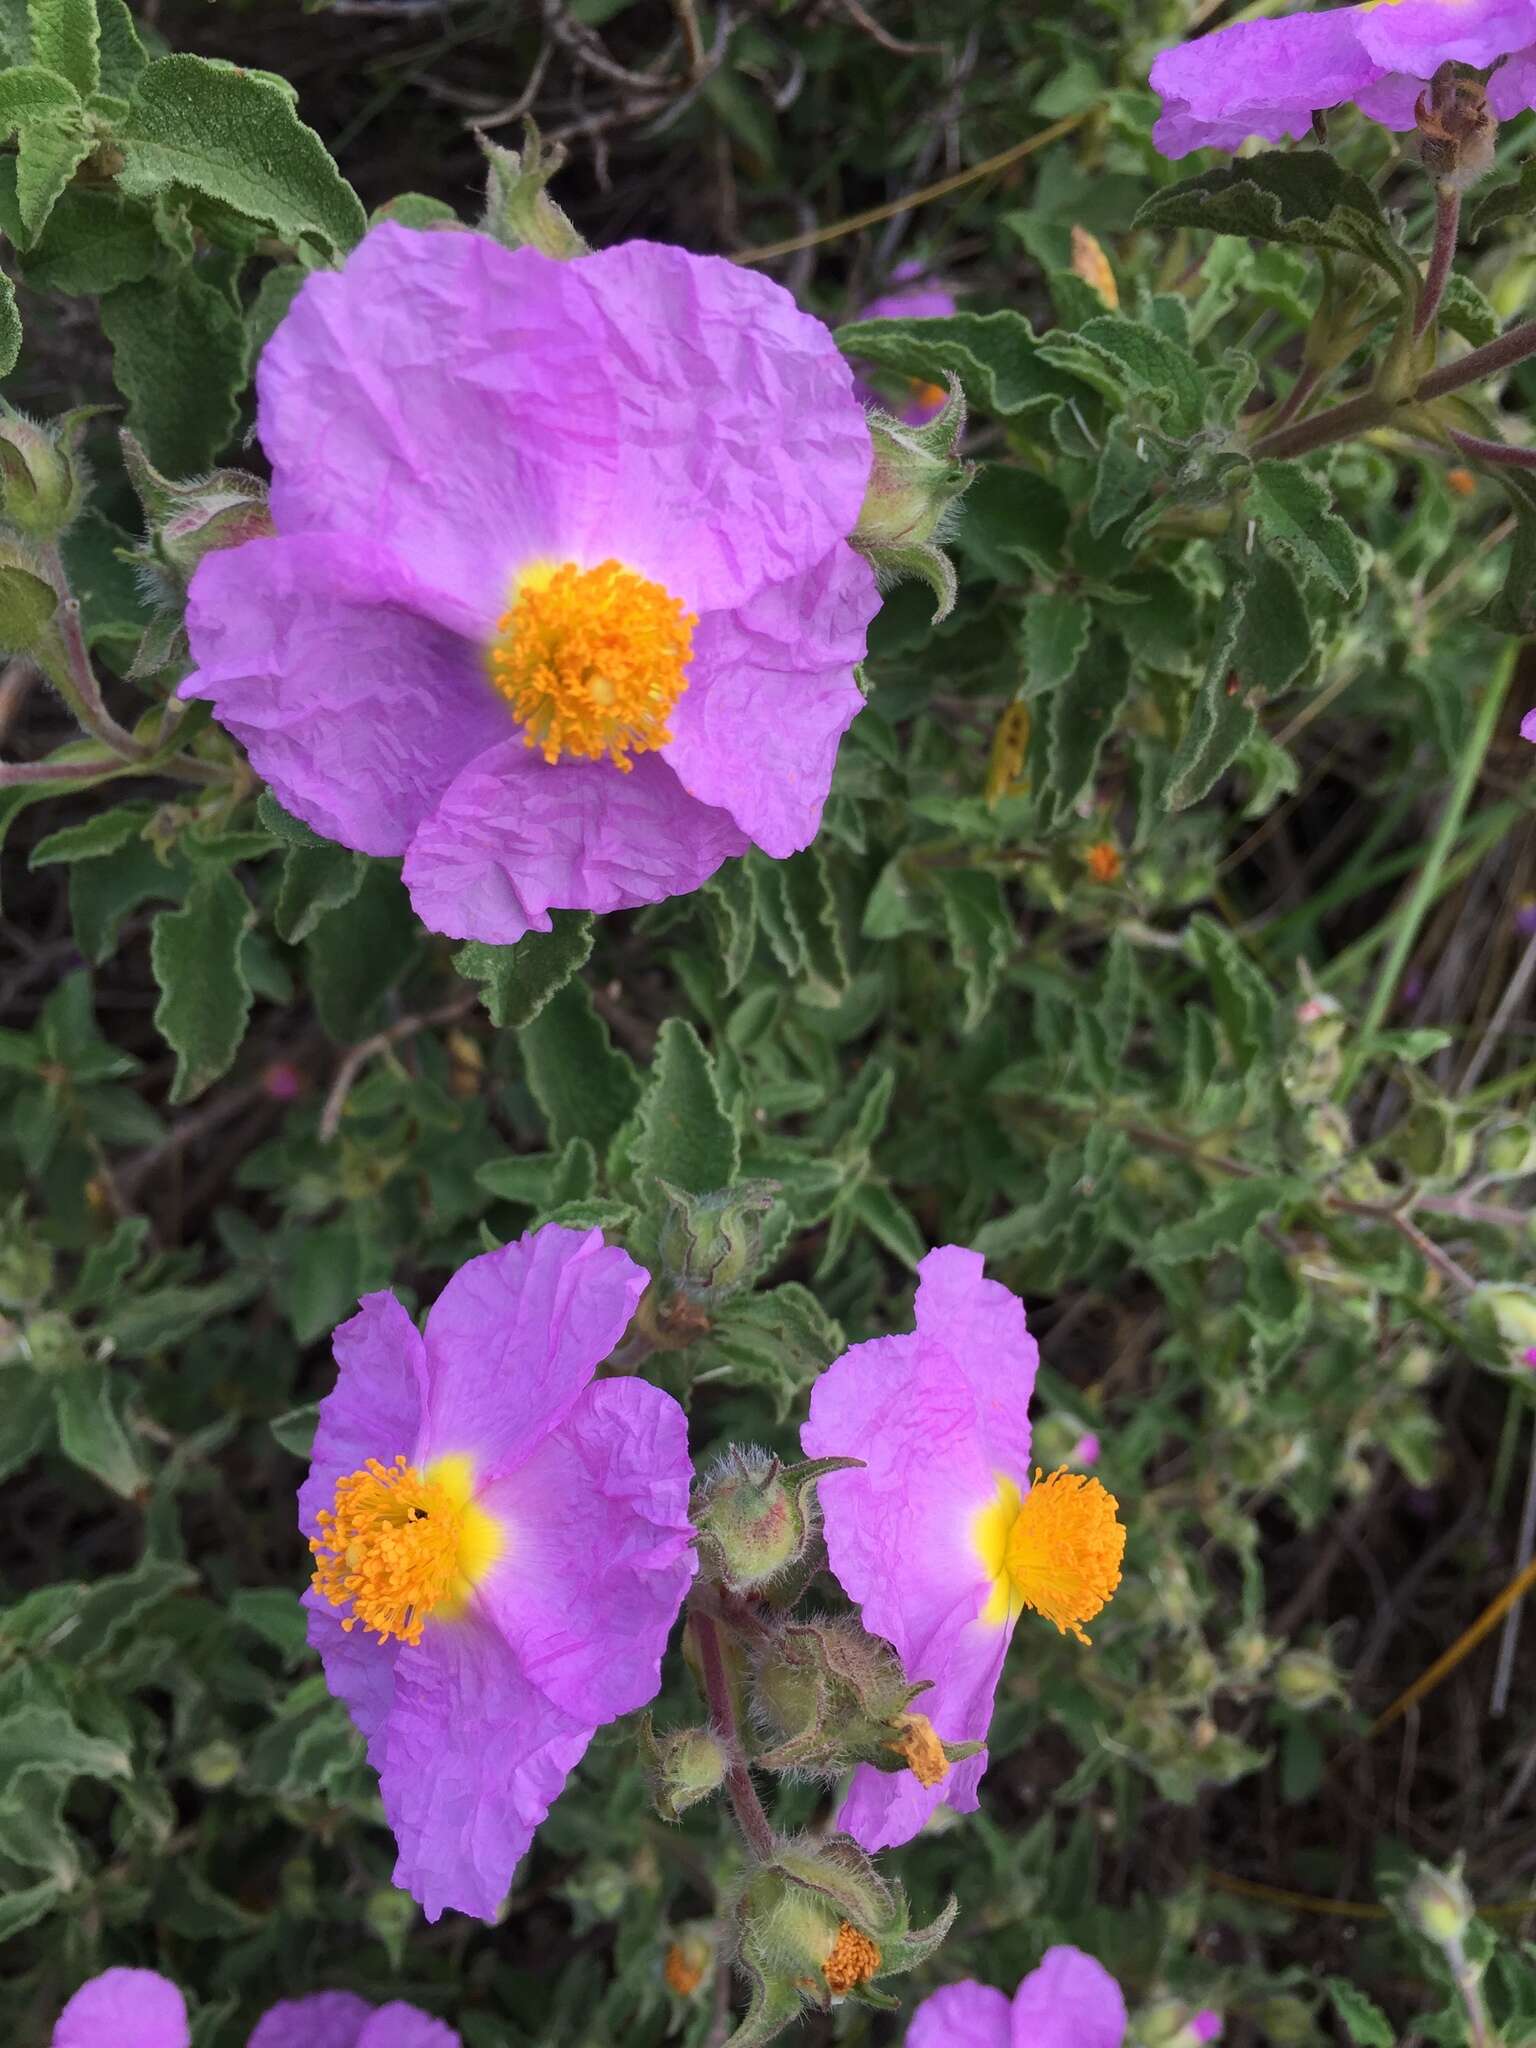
(502, 1546)
(560, 605)
(940, 1538)
(1269, 78)
(1070, 2001)
(142, 2009)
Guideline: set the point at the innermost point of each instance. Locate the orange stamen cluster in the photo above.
(592, 661)
(1103, 861)
(854, 1960)
(390, 1549)
(918, 1743)
(684, 1974)
(1064, 1549)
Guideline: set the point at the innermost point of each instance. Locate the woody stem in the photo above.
(1447, 221)
(755, 1826)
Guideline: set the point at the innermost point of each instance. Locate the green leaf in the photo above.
(283, 825)
(66, 36)
(1364, 2021)
(517, 981)
(23, 1909)
(205, 998)
(1505, 202)
(1055, 633)
(1224, 1222)
(981, 934)
(1220, 719)
(777, 1341)
(26, 1418)
(1467, 312)
(585, 1087)
(1301, 196)
(122, 54)
(10, 327)
(91, 1434)
(315, 879)
(1514, 609)
(542, 1180)
(178, 357)
(888, 1221)
(27, 605)
(1124, 476)
(43, 110)
(1013, 524)
(94, 242)
(1245, 1003)
(207, 127)
(1082, 714)
(295, 1430)
(1127, 358)
(686, 1138)
(267, 311)
(354, 956)
(995, 356)
(1294, 509)
(107, 832)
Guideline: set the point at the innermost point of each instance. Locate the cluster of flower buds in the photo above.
(817, 1924)
(828, 1696)
(912, 502)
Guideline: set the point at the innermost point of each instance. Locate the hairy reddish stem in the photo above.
(754, 1823)
(1447, 221)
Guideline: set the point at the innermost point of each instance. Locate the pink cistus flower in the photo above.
(560, 605)
(1070, 2001)
(1269, 78)
(501, 1548)
(1205, 2025)
(1528, 727)
(142, 2009)
(940, 1538)
(916, 298)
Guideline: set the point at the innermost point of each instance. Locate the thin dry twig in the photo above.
(381, 1041)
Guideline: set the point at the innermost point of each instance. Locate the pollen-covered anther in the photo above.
(592, 661)
(918, 1743)
(1064, 1549)
(854, 1960)
(391, 1549)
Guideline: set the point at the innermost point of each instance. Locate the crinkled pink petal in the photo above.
(1419, 36)
(515, 837)
(742, 453)
(917, 302)
(359, 1670)
(357, 706)
(1070, 2001)
(330, 2019)
(514, 1338)
(599, 1549)
(1393, 100)
(1528, 726)
(398, 2025)
(375, 1408)
(474, 1756)
(968, 2015)
(1512, 88)
(771, 693)
(1258, 78)
(938, 1418)
(124, 2009)
(449, 398)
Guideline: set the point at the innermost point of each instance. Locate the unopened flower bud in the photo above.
(682, 1766)
(390, 1915)
(1507, 1316)
(911, 503)
(830, 1695)
(1286, 2021)
(215, 1765)
(40, 485)
(1457, 131)
(1304, 1679)
(1439, 1905)
(26, 1266)
(1249, 1652)
(188, 520)
(817, 1923)
(1170, 2023)
(710, 1243)
(53, 1344)
(519, 212)
(1509, 1148)
(756, 1517)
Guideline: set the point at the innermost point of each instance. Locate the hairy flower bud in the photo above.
(1508, 1148)
(818, 1924)
(682, 1767)
(519, 212)
(911, 502)
(1304, 1679)
(1439, 1905)
(40, 481)
(756, 1518)
(831, 1696)
(1507, 1317)
(189, 519)
(710, 1244)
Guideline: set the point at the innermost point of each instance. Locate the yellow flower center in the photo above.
(1056, 1549)
(592, 661)
(854, 1960)
(400, 1545)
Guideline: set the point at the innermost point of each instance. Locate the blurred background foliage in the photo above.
(1167, 994)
